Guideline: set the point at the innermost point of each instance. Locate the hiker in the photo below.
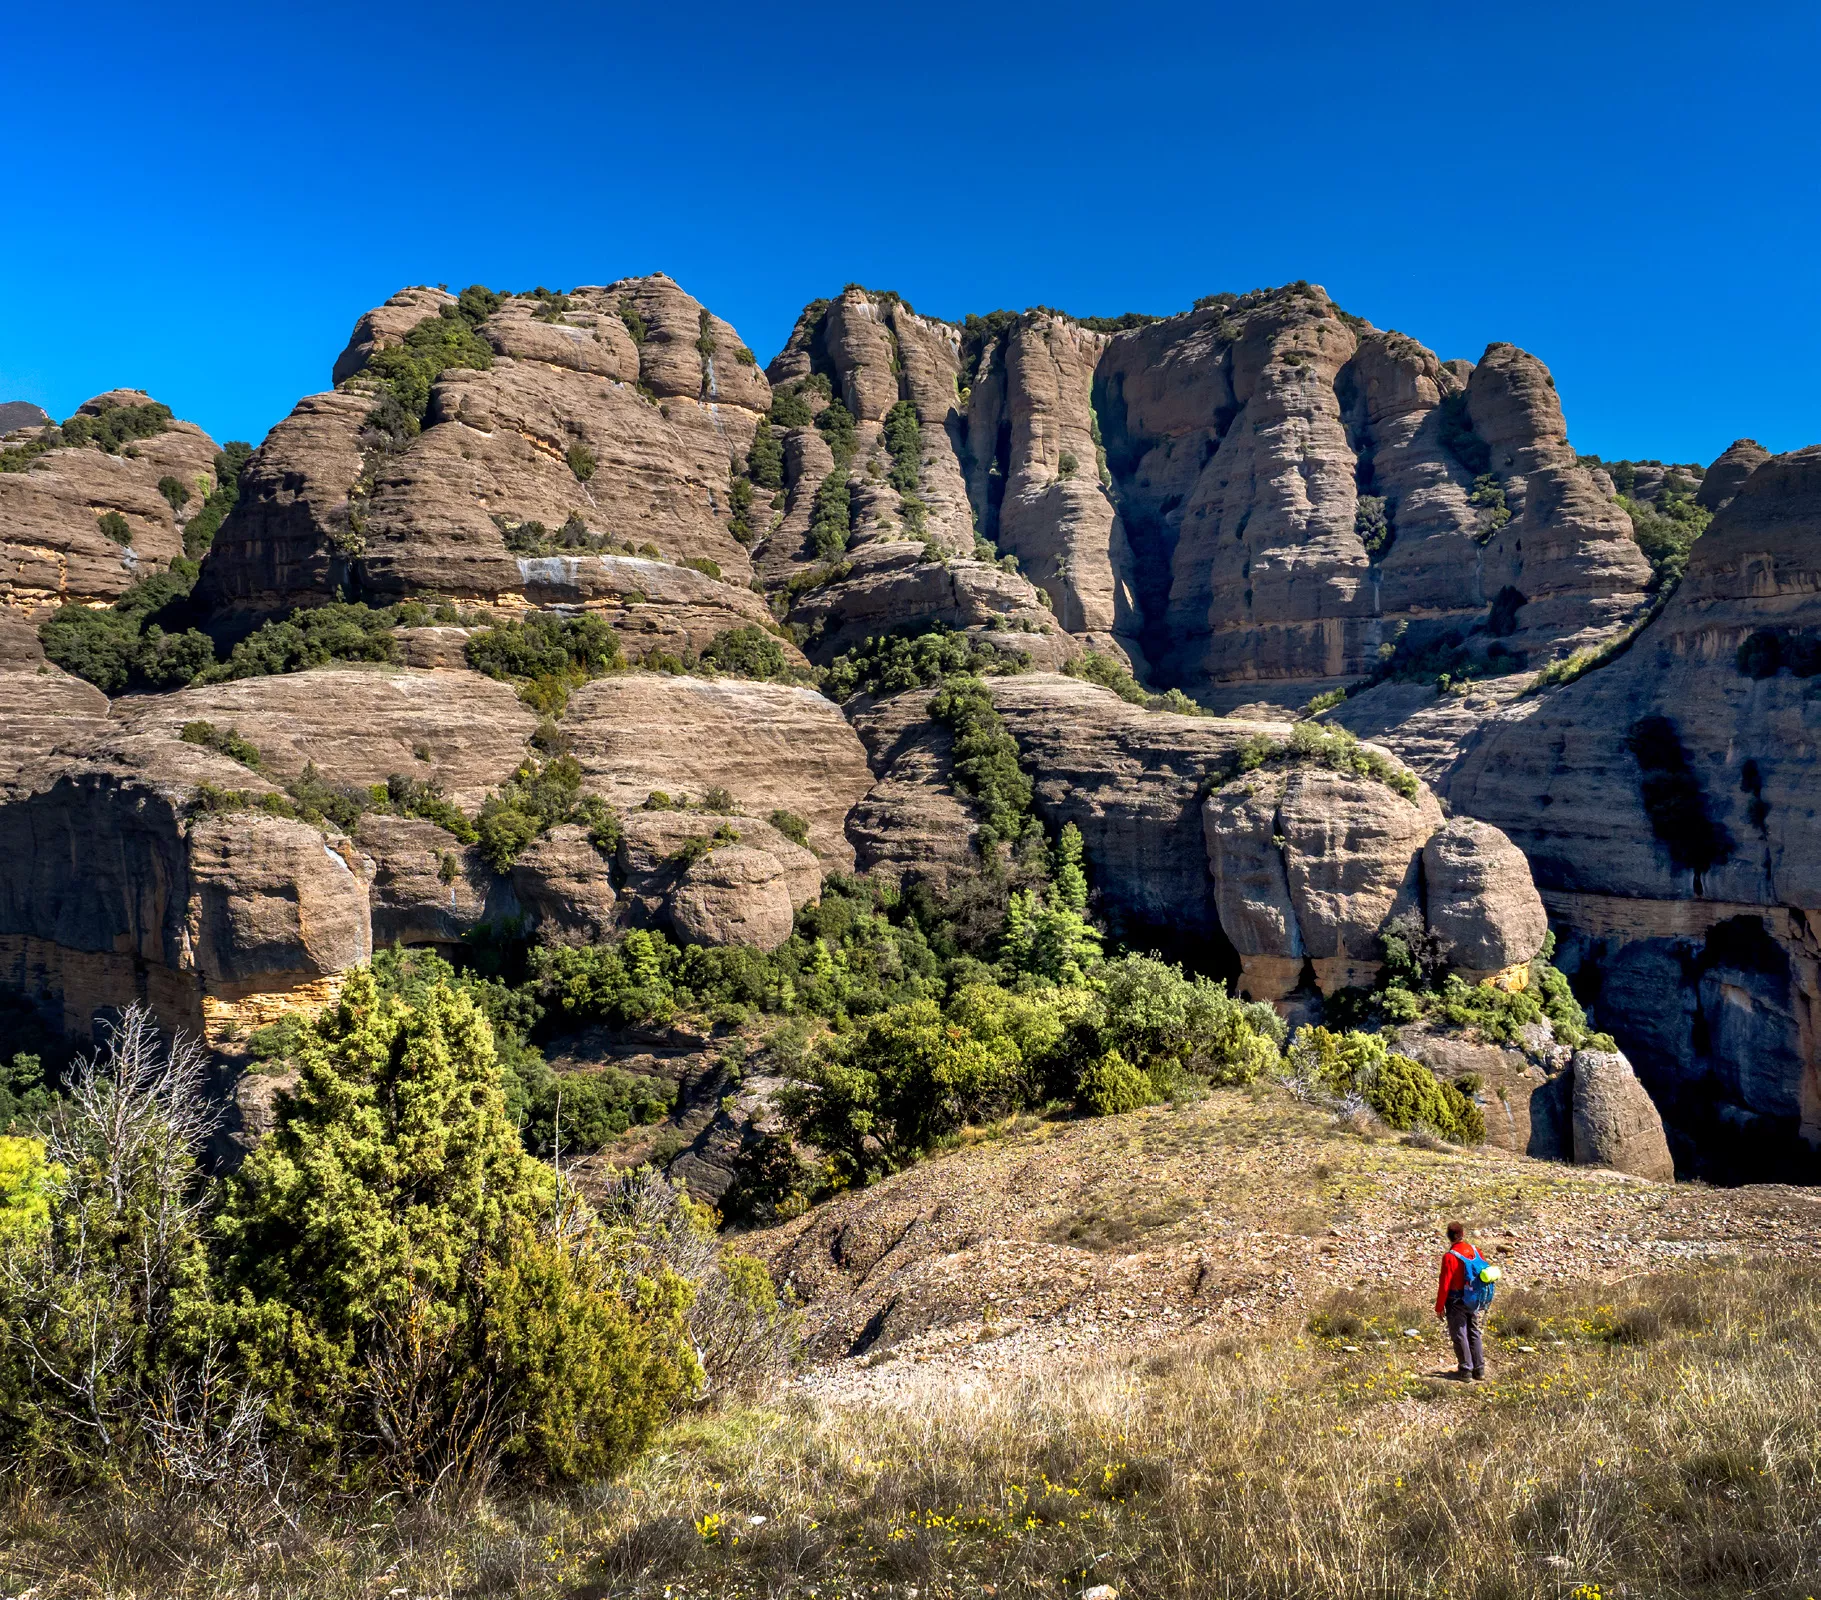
(1462, 1296)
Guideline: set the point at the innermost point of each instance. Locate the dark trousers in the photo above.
(1464, 1329)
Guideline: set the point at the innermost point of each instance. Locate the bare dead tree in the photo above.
(94, 1289)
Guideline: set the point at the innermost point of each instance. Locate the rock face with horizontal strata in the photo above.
(325, 509)
(52, 549)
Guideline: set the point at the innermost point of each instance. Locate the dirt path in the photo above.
(1075, 1238)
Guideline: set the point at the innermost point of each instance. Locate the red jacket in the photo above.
(1454, 1274)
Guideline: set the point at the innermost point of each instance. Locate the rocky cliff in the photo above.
(1259, 501)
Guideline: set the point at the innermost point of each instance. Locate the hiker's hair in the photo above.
(1457, 1231)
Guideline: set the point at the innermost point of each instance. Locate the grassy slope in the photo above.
(1278, 1436)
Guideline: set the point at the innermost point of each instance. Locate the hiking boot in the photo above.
(1479, 1377)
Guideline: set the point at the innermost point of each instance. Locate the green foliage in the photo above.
(199, 532)
(836, 424)
(882, 1094)
(581, 461)
(789, 409)
(830, 519)
(635, 324)
(740, 502)
(114, 526)
(793, 827)
(535, 798)
(747, 652)
(532, 538)
(1372, 526)
(1170, 1026)
(395, 1256)
(1327, 700)
(765, 459)
(1097, 667)
(477, 303)
(1326, 746)
(910, 660)
(904, 443)
(1457, 437)
(546, 655)
(1067, 464)
(26, 1186)
(114, 426)
(225, 741)
(122, 646)
(404, 373)
(175, 491)
(1403, 1092)
(26, 1093)
(1047, 934)
(985, 762)
(1488, 495)
(1110, 1086)
(313, 637)
(576, 1113)
(1665, 531)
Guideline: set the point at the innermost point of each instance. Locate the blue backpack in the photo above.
(1481, 1281)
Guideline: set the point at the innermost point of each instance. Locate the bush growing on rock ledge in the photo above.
(1326, 746)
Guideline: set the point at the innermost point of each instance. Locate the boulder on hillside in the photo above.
(566, 888)
(1482, 905)
(1615, 1122)
(713, 878)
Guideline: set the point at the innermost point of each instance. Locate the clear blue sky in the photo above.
(201, 199)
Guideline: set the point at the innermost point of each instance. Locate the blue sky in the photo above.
(203, 198)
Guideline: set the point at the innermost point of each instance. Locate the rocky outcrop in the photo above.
(1615, 1123)
(768, 745)
(1480, 902)
(1726, 477)
(1034, 441)
(54, 548)
(1301, 491)
(914, 822)
(716, 879)
(631, 436)
(1665, 804)
(893, 585)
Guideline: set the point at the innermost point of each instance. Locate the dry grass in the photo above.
(1664, 1441)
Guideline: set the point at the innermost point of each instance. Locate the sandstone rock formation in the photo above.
(1666, 804)
(1480, 901)
(576, 417)
(54, 548)
(1615, 1124)
(770, 746)
(1726, 477)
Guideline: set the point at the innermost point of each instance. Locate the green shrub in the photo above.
(739, 503)
(313, 637)
(122, 646)
(199, 532)
(546, 655)
(115, 426)
(1066, 464)
(836, 424)
(402, 1272)
(746, 652)
(789, 409)
(1168, 1024)
(581, 461)
(765, 459)
(1372, 526)
(1404, 1093)
(635, 324)
(1329, 746)
(1110, 1086)
(225, 741)
(405, 373)
(830, 520)
(114, 526)
(877, 1097)
(1665, 532)
(1097, 667)
(793, 827)
(985, 763)
(903, 435)
(1489, 496)
(536, 797)
(910, 659)
(175, 491)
